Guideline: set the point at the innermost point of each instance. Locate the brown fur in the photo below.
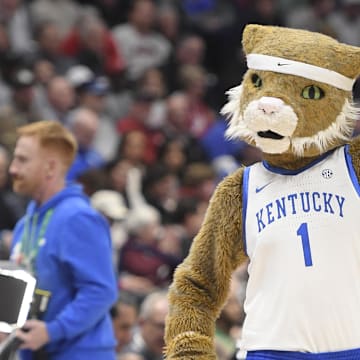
(201, 283)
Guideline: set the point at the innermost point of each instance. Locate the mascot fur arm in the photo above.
(201, 282)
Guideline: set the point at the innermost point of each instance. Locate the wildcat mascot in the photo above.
(295, 215)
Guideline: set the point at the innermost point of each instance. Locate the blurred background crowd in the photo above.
(141, 83)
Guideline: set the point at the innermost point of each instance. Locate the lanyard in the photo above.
(30, 243)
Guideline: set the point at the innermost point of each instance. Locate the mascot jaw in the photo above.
(270, 145)
(269, 134)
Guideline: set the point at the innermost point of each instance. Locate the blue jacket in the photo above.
(74, 264)
(86, 159)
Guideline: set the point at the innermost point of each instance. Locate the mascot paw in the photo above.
(190, 346)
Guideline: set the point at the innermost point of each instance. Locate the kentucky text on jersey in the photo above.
(295, 203)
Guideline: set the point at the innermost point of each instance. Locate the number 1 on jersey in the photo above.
(303, 232)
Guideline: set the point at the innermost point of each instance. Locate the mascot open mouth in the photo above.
(270, 135)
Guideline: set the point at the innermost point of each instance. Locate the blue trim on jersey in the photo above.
(353, 354)
(245, 201)
(351, 169)
(283, 171)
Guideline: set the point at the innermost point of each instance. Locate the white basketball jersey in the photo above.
(302, 235)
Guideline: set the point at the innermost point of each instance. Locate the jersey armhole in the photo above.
(245, 200)
(351, 169)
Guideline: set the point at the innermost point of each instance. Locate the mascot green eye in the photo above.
(256, 80)
(312, 92)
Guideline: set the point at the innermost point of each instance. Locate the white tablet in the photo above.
(16, 294)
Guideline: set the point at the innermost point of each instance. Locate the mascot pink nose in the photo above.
(270, 105)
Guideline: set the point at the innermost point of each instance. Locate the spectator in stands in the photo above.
(169, 22)
(92, 95)
(189, 215)
(226, 155)
(313, 16)
(93, 180)
(208, 16)
(48, 38)
(16, 18)
(176, 126)
(118, 174)
(173, 155)
(161, 190)
(133, 148)
(170, 240)
(124, 314)
(346, 21)
(153, 83)
(113, 12)
(143, 267)
(64, 13)
(44, 71)
(84, 123)
(4, 51)
(229, 323)
(148, 341)
(199, 181)
(4, 42)
(58, 101)
(200, 115)
(141, 45)
(137, 119)
(217, 23)
(80, 75)
(91, 43)
(21, 109)
(190, 49)
(112, 205)
(12, 206)
(265, 12)
(216, 144)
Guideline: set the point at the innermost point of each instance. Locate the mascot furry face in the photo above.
(295, 100)
(293, 216)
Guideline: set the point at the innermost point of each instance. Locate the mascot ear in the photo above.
(352, 63)
(252, 35)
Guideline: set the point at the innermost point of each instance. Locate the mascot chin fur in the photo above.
(294, 216)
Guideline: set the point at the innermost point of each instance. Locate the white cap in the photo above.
(79, 75)
(141, 216)
(110, 203)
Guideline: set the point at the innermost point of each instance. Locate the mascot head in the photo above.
(295, 101)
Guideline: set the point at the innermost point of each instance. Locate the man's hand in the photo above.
(35, 336)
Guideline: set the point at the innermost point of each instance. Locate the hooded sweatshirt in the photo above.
(72, 262)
